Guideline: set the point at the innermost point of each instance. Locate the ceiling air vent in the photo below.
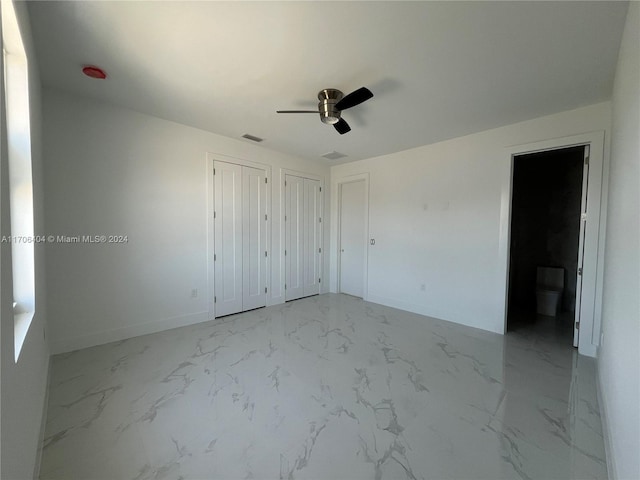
(253, 138)
(334, 155)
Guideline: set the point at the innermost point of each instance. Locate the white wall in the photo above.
(618, 357)
(435, 215)
(115, 171)
(23, 384)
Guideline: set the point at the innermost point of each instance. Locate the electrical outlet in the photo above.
(194, 293)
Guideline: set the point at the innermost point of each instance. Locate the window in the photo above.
(18, 132)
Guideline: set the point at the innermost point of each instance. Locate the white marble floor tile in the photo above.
(327, 387)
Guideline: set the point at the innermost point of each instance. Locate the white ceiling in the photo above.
(438, 70)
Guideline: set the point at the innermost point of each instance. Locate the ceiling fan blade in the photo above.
(297, 111)
(354, 98)
(342, 127)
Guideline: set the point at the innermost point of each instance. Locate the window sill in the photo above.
(21, 323)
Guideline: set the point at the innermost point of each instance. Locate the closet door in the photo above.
(228, 238)
(294, 237)
(312, 228)
(254, 238)
(352, 238)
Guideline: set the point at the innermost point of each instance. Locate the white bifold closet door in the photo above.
(302, 237)
(240, 238)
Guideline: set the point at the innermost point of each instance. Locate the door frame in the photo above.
(590, 321)
(282, 265)
(210, 203)
(583, 211)
(337, 189)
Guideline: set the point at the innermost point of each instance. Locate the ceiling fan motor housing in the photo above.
(327, 106)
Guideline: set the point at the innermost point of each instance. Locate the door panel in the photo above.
(312, 225)
(294, 241)
(352, 240)
(228, 238)
(254, 239)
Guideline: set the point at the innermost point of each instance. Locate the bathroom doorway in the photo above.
(547, 241)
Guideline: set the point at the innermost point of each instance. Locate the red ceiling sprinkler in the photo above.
(94, 72)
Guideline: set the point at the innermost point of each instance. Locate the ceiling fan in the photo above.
(332, 103)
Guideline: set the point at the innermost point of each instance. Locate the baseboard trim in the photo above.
(588, 350)
(123, 333)
(423, 310)
(43, 423)
(606, 431)
(275, 300)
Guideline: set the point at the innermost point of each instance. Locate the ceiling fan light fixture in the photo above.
(329, 118)
(329, 97)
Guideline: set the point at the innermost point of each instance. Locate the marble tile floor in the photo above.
(327, 387)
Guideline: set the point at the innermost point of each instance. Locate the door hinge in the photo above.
(265, 217)
(285, 183)
(320, 188)
(285, 218)
(319, 280)
(265, 179)
(285, 253)
(577, 325)
(319, 250)
(587, 154)
(214, 214)
(580, 271)
(214, 171)
(265, 253)
(215, 257)
(265, 289)
(215, 299)
(285, 286)
(320, 219)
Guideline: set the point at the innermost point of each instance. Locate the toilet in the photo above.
(549, 287)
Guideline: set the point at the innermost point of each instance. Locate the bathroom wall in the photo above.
(545, 223)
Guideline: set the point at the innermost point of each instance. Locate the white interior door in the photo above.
(352, 238)
(254, 239)
(583, 227)
(294, 237)
(311, 231)
(228, 238)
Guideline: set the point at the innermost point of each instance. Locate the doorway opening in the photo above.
(548, 206)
